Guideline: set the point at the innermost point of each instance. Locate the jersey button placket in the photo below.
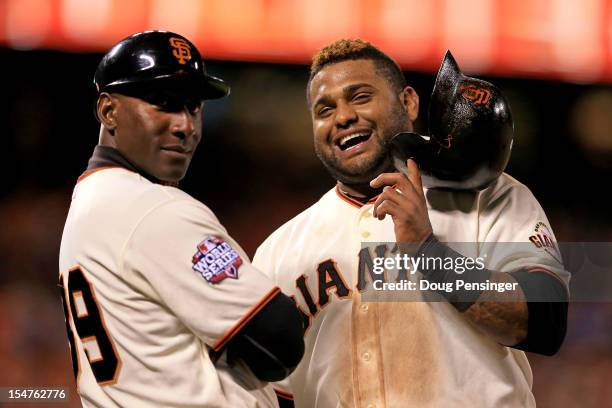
(365, 321)
(367, 364)
(365, 218)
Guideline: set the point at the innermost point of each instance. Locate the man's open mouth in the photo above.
(353, 139)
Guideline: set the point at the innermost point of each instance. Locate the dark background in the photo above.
(256, 168)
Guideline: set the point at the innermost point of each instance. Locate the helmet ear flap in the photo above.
(470, 132)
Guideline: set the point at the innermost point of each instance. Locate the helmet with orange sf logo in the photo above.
(470, 133)
(150, 56)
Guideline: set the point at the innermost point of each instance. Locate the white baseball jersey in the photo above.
(402, 354)
(153, 287)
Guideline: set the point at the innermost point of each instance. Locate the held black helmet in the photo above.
(150, 56)
(470, 133)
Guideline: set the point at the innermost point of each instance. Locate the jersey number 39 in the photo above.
(81, 307)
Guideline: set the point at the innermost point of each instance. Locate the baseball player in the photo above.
(163, 308)
(363, 353)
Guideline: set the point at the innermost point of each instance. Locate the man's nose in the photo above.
(345, 114)
(183, 124)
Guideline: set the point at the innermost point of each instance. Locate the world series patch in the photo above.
(216, 260)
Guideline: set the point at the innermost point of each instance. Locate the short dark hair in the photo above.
(356, 49)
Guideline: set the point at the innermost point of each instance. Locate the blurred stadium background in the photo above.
(256, 167)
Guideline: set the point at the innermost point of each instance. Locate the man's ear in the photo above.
(410, 102)
(106, 110)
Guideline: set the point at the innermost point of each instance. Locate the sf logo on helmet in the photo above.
(474, 93)
(182, 50)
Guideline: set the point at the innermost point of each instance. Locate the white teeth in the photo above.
(349, 137)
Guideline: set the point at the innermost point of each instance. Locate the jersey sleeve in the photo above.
(516, 234)
(283, 393)
(181, 256)
(267, 259)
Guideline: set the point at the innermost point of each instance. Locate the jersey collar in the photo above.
(105, 157)
(354, 201)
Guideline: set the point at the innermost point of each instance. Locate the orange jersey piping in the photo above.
(219, 344)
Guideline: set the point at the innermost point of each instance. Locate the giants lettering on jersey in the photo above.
(216, 260)
(316, 294)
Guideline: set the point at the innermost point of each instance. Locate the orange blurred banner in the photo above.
(556, 39)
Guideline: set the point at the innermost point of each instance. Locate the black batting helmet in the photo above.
(156, 56)
(470, 133)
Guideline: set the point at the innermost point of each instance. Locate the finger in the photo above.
(402, 186)
(397, 180)
(414, 175)
(375, 212)
(388, 193)
(386, 179)
(381, 197)
(387, 207)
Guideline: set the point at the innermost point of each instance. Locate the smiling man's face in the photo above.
(355, 112)
(158, 134)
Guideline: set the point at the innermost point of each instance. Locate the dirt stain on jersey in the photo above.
(390, 357)
(410, 347)
(342, 361)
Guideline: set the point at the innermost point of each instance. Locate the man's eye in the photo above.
(159, 101)
(361, 97)
(164, 103)
(177, 104)
(324, 111)
(194, 105)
